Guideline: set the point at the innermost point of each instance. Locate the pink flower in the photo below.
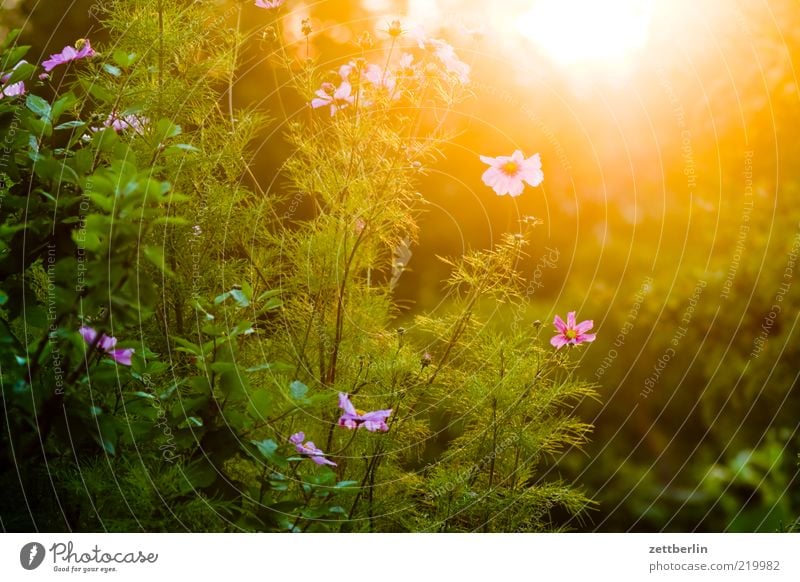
(445, 53)
(506, 173)
(380, 78)
(14, 89)
(269, 4)
(107, 344)
(82, 49)
(337, 98)
(309, 449)
(374, 421)
(571, 332)
(347, 69)
(122, 123)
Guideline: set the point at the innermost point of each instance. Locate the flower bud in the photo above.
(365, 41)
(425, 360)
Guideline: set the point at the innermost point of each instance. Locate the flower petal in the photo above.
(122, 356)
(346, 405)
(559, 324)
(88, 334)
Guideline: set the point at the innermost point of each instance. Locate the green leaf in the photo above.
(62, 104)
(191, 421)
(3, 297)
(112, 70)
(71, 125)
(200, 474)
(269, 450)
(165, 129)
(143, 395)
(156, 256)
(346, 484)
(232, 384)
(38, 105)
(260, 404)
(23, 72)
(98, 92)
(123, 59)
(107, 434)
(8, 41)
(181, 148)
(298, 390)
(240, 297)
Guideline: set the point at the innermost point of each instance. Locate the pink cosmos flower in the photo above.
(269, 4)
(107, 344)
(337, 97)
(374, 421)
(445, 53)
(506, 174)
(309, 449)
(346, 70)
(14, 89)
(380, 78)
(82, 49)
(570, 332)
(123, 123)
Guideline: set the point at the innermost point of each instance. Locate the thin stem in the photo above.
(160, 55)
(232, 76)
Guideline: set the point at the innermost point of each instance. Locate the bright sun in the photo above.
(588, 31)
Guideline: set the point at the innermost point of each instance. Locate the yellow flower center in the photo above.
(80, 43)
(360, 412)
(510, 168)
(571, 334)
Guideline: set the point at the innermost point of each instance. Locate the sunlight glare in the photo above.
(588, 31)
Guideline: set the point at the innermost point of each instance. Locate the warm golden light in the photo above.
(588, 31)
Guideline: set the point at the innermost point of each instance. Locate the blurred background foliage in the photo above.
(670, 204)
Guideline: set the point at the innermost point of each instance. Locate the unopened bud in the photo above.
(365, 41)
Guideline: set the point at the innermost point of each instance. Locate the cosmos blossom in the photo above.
(14, 89)
(506, 174)
(446, 54)
(269, 4)
(122, 123)
(107, 344)
(309, 449)
(337, 97)
(380, 78)
(374, 421)
(571, 333)
(81, 50)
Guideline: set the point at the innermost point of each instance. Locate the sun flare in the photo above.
(588, 31)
